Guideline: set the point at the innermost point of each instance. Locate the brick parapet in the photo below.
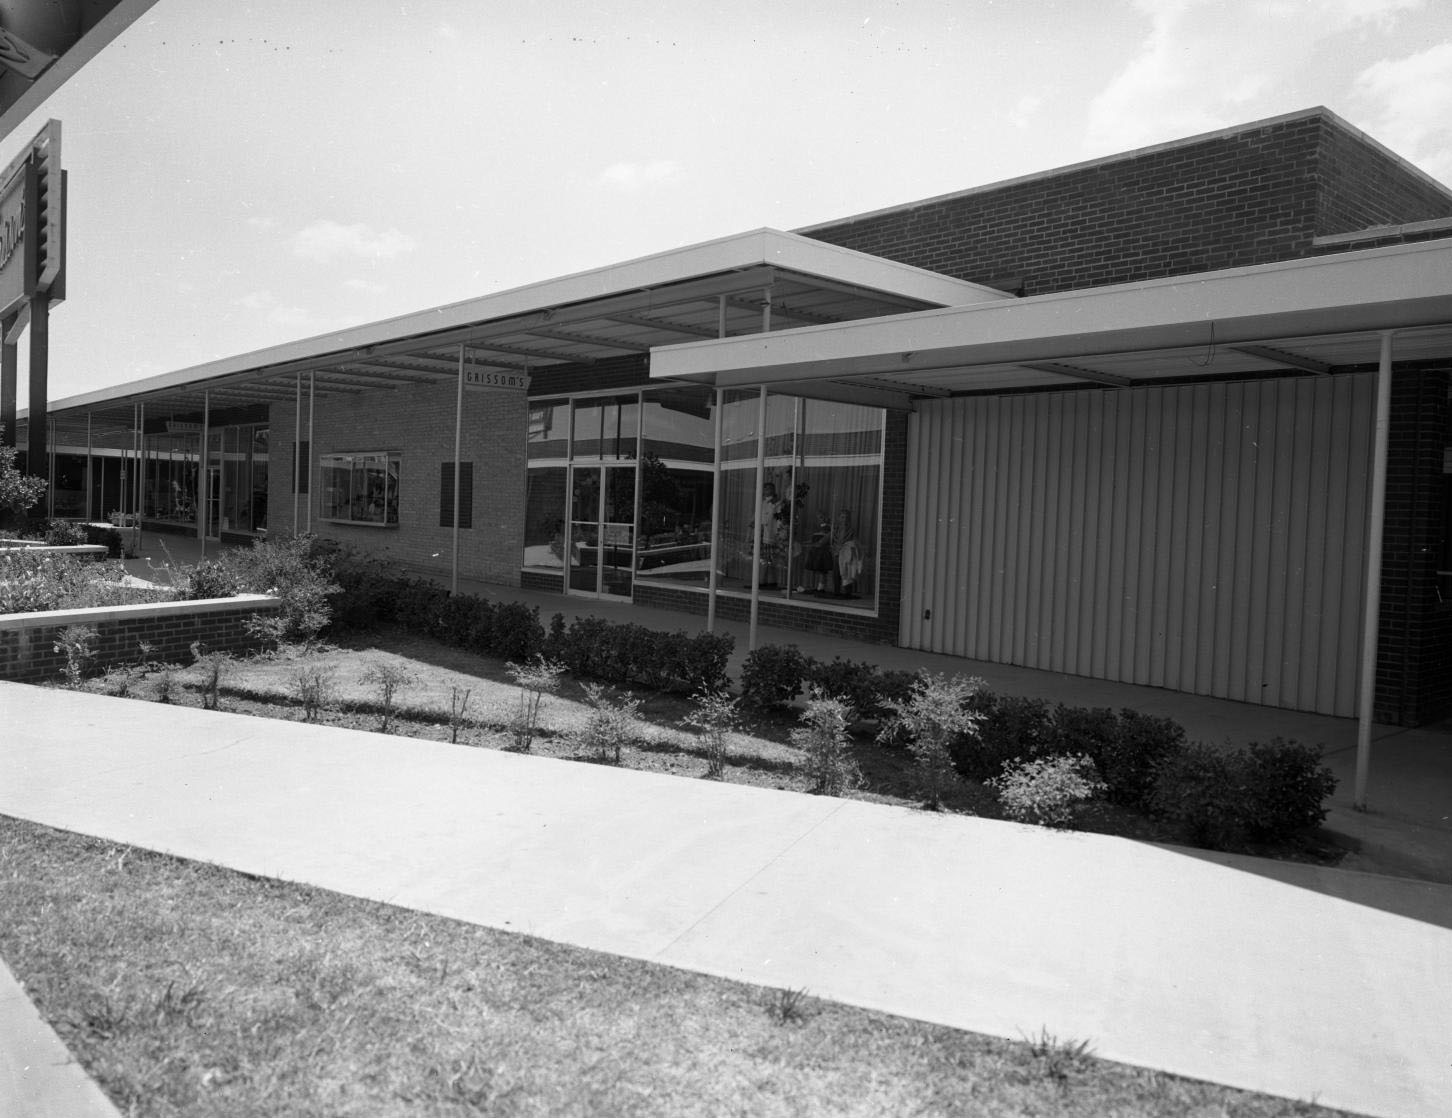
(162, 632)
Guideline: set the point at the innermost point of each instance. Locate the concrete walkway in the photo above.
(1303, 982)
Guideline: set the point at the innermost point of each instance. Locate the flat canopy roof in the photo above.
(1318, 315)
(628, 308)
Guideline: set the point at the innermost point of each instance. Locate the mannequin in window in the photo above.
(768, 526)
(847, 553)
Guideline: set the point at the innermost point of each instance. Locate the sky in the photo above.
(245, 173)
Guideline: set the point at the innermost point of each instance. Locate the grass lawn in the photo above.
(185, 989)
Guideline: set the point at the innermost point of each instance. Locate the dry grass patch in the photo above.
(185, 989)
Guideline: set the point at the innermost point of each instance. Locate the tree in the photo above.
(18, 491)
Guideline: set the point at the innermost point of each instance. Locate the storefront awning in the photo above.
(1318, 315)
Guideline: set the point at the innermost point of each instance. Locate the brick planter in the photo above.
(27, 640)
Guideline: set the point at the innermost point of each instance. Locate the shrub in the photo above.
(213, 665)
(1225, 799)
(284, 567)
(1200, 791)
(389, 679)
(626, 653)
(1131, 760)
(458, 705)
(1046, 790)
(609, 726)
(210, 579)
(936, 713)
(312, 686)
(1288, 787)
(78, 642)
(367, 587)
(517, 632)
(1007, 728)
(823, 738)
(17, 491)
(535, 681)
(716, 716)
(772, 675)
(32, 580)
(419, 605)
(64, 533)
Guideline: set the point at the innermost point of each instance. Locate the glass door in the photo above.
(602, 530)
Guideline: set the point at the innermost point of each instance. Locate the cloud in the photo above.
(364, 285)
(1025, 109)
(327, 240)
(1205, 64)
(261, 223)
(1407, 104)
(640, 176)
(274, 312)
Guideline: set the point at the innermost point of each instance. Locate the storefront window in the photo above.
(360, 488)
(548, 433)
(676, 482)
(606, 427)
(544, 520)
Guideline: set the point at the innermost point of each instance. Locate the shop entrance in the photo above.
(602, 530)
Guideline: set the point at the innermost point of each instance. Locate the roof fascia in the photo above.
(742, 252)
(1376, 289)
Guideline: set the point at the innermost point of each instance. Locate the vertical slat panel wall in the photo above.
(1208, 538)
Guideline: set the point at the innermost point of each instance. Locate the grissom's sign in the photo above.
(18, 261)
(488, 378)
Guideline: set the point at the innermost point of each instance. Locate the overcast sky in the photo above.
(247, 173)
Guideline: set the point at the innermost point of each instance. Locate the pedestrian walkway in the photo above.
(1298, 981)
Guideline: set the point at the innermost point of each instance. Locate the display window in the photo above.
(360, 488)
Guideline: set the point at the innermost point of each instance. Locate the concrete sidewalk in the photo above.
(1294, 980)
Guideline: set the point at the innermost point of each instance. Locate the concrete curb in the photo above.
(39, 1078)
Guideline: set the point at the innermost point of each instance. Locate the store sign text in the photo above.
(481, 378)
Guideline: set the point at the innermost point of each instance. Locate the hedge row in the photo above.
(372, 591)
(1221, 798)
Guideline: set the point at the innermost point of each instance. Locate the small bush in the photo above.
(78, 642)
(1288, 788)
(1046, 791)
(388, 679)
(458, 705)
(823, 738)
(609, 726)
(209, 579)
(285, 567)
(1131, 760)
(1007, 728)
(937, 713)
(312, 686)
(716, 716)
(772, 676)
(535, 682)
(367, 586)
(213, 665)
(517, 632)
(64, 533)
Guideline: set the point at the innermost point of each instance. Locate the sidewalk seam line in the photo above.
(742, 885)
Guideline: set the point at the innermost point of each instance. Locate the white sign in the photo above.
(489, 378)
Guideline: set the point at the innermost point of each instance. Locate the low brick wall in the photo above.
(27, 640)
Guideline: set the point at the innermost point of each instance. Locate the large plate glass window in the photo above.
(360, 488)
(676, 481)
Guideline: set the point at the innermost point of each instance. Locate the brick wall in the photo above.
(27, 641)
(1252, 198)
(417, 422)
(773, 612)
(1362, 185)
(1414, 641)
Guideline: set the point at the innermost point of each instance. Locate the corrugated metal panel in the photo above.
(1208, 538)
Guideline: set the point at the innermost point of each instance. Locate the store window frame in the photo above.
(388, 463)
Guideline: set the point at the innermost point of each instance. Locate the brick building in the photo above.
(1117, 419)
